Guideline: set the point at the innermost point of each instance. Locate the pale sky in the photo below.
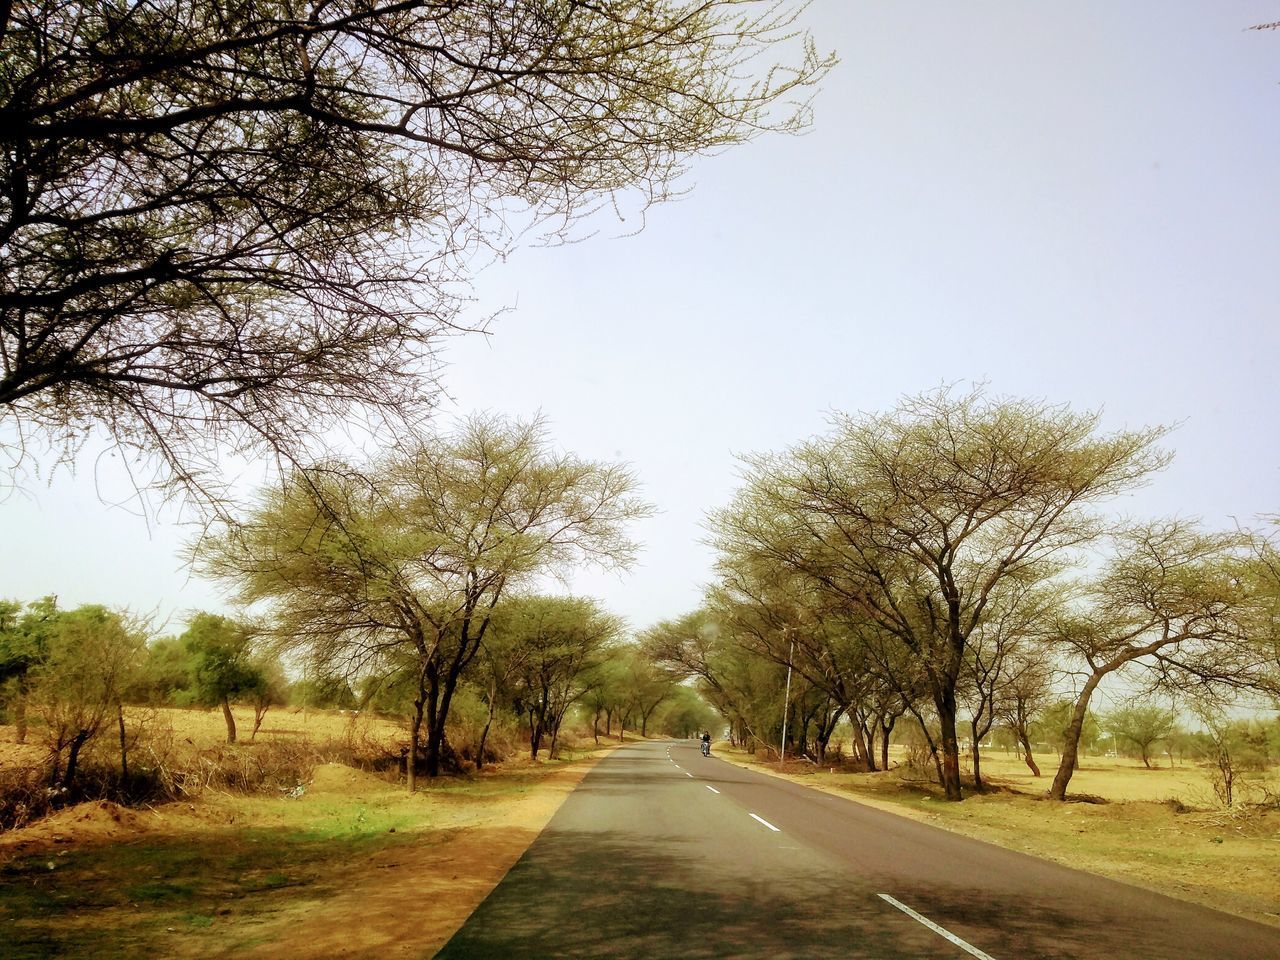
(1074, 202)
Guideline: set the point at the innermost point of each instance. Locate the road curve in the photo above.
(662, 853)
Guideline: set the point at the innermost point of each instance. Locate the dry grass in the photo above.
(365, 868)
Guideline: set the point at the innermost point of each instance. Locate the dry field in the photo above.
(365, 868)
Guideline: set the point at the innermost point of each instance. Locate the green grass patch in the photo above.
(146, 897)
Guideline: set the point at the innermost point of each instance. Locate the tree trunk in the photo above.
(258, 713)
(885, 730)
(415, 728)
(124, 747)
(73, 757)
(484, 734)
(231, 721)
(977, 756)
(1026, 752)
(1071, 745)
(949, 766)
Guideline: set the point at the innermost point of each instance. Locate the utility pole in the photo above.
(786, 703)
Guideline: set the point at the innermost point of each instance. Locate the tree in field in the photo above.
(995, 655)
(410, 558)
(223, 664)
(1143, 725)
(240, 223)
(271, 690)
(918, 519)
(557, 642)
(1026, 692)
(606, 696)
(24, 642)
(1175, 604)
(78, 684)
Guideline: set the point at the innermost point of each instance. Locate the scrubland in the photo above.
(321, 859)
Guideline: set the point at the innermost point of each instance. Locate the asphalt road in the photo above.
(661, 853)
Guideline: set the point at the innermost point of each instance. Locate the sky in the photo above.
(1072, 202)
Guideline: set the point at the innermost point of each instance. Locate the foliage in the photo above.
(78, 684)
(406, 561)
(1142, 725)
(223, 669)
(238, 223)
(916, 521)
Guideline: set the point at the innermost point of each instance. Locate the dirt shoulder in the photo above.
(355, 867)
(1228, 862)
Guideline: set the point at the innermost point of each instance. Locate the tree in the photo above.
(223, 667)
(165, 675)
(1024, 695)
(992, 658)
(411, 556)
(239, 223)
(1143, 725)
(919, 518)
(556, 641)
(271, 688)
(1172, 599)
(24, 643)
(78, 683)
(646, 687)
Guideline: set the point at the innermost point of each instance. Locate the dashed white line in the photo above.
(711, 788)
(765, 822)
(688, 774)
(946, 934)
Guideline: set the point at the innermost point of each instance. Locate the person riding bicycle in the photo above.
(706, 743)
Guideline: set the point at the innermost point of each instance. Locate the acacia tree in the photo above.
(556, 641)
(992, 657)
(409, 558)
(241, 222)
(222, 665)
(918, 518)
(24, 642)
(1173, 600)
(1143, 725)
(1026, 691)
(79, 682)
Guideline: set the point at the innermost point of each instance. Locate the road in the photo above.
(662, 853)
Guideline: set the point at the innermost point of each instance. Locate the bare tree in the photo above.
(241, 224)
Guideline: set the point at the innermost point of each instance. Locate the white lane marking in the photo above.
(765, 822)
(711, 788)
(688, 774)
(945, 934)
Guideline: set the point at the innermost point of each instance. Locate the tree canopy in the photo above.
(240, 223)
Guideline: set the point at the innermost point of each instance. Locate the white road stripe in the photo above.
(946, 934)
(688, 774)
(712, 789)
(765, 822)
